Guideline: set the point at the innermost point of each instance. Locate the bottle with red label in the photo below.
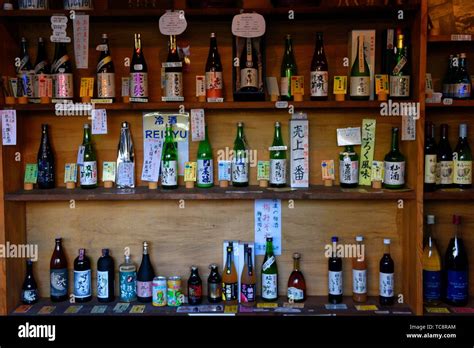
(145, 277)
(214, 80)
(248, 280)
(194, 287)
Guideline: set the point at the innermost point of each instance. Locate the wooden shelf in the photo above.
(314, 305)
(215, 193)
(456, 104)
(449, 38)
(229, 105)
(450, 195)
(325, 12)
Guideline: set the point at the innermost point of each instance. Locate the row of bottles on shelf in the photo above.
(124, 176)
(443, 167)
(449, 283)
(457, 82)
(238, 283)
(55, 80)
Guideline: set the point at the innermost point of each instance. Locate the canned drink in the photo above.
(159, 291)
(175, 295)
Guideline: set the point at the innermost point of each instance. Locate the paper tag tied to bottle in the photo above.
(87, 87)
(80, 155)
(268, 263)
(70, 172)
(197, 124)
(173, 23)
(348, 136)
(99, 121)
(109, 171)
(248, 25)
(31, 173)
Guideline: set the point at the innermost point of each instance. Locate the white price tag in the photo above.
(8, 127)
(59, 19)
(408, 128)
(348, 136)
(152, 159)
(99, 121)
(173, 23)
(248, 25)
(80, 155)
(81, 41)
(59, 26)
(448, 101)
(198, 124)
(461, 37)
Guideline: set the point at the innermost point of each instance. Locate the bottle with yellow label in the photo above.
(462, 160)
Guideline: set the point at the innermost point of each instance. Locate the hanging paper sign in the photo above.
(248, 25)
(99, 121)
(299, 152)
(367, 151)
(59, 26)
(173, 23)
(408, 127)
(348, 136)
(197, 124)
(8, 127)
(267, 224)
(81, 40)
(152, 159)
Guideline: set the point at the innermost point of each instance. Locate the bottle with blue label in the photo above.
(128, 280)
(82, 278)
(456, 263)
(431, 266)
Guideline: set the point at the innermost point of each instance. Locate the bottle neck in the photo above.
(269, 248)
(296, 264)
(29, 268)
(213, 47)
(288, 46)
(87, 136)
(58, 246)
(145, 251)
(277, 134)
(386, 249)
(169, 135)
(444, 132)
(240, 132)
(172, 44)
(249, 262)
(138, 45)
(229, 261)
(395, 141)
(349, 148)
(24, 49)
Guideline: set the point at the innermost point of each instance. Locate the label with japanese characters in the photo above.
(335, 283)
(8, 126)
(297, 85)
(240, 170)
(99, 121)
(126, 174)
(70, 172)
(173, 84)
(359, 281)
(139, 85)
(340, 84)
(367, 150)
(269, 286)
(377, 171)
(348, 171)
(200, 86)
(462, 172)
(400, 86)
(394, 173)
(263, 170)
(267, 224)
(88, 172)
(295, 294)
(31, 173)
(299, 153)
(381, 84)
(214, 84)
(248, 292)
(386, 285)
(430, 169)
(327, 169)
(197, 124)
(63, 86)
(190, 171)
(224, 171)
(106, 85)
(108, 171)
(229, 291)
(169, 173)
(82, 284)
(360, 86)
(278, 171)
(87, 87)
(205, 171)
(319, 83)
(152, 159)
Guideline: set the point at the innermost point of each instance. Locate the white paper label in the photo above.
(80, 155)
(399, 86)
(359, 281)
(197, 124)
(248, 78)
(278, 171)
(169, 173)
(205, 171)
(63, 86)
(173, 84)
(267, 210)
(8, 127)
(360, 86)
(295, 294)
(82, 284)
(125, 86)
(284, 86)
(106, 85)
(386, 284)
(88, 172)
(152, 159)
(81, 40)
(319, 83)
(348, 171)
(430, 169)
(394, 173)
(240, 170)
(446, 172)
(269, 286)
(248, 25)
(173, 23)
(335, 283)
(102, 284)
(224, 171)
(99, 121)
(408, 128)
(126, 174)
(348, 136)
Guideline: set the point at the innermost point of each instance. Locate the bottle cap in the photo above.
(240, 124)
(456, 219)
(269, 239)
(359, 238)
(334, 239)
(212, 266)
(213, 34)
(395, 129)
(104, 36)
(105, 252)
(124, 124)
(40, 39)
(194, 268)
(86, 126)
(463, 130)
(297, 256)
(430, 219)
(277, 124)
(386, 241)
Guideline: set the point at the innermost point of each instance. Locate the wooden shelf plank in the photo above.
(278, 13)
(449, 38)
(215, 193)
(314, 305)
(450, 195)
(456, 104)
(230, 105)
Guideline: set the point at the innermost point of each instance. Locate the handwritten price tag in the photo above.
(99, 121)
(173, 23)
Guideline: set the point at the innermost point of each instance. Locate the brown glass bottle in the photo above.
(214, 285)
(58, 273)
(296, 282)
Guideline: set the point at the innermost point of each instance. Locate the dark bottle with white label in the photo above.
(138, 73)
(88, 168)
(445, 159)
(240, 160)
(400, 75)
(42, 70)
(82, 277)
(394, 165)
(462, 160)
(105, 277)
(173, 72)
(319, 71)
(25, 72)
(348, 167)
(386, 276)
(29, 290)
(334, 275)
(214, 77)
(105, 71)
(61, 69)
(145, 277)
(249, 68)
(269, 273)
(360, 74)
(46, 168)
(59, 278)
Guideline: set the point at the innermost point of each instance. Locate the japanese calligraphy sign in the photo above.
(70, 172)
(197, 124)
(8, 126)
(152, 159)
(81, 40)
(154, 126)
(299, 152)
(348, 136)
(408, 127)
(99, 121)
(87, 87)
(267, 224)
(367, 151)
